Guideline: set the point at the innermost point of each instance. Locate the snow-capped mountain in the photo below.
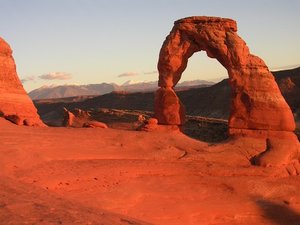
(64, 91)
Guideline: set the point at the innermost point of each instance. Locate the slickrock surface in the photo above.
(15, 105)
(72, 175)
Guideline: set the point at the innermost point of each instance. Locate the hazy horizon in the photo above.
(84, 42)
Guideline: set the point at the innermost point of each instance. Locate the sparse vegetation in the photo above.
(206, 129)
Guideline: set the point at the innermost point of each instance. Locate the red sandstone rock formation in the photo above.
(257, 104)
(168, 108)
(149, 125)
(15, 105)
(80, 118)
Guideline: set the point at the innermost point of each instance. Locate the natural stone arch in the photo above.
(257, 106)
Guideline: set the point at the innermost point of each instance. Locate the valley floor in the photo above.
(109, 176)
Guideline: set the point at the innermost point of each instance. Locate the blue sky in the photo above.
(95, 41)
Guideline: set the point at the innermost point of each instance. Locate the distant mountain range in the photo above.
(65, 91)
(211, 101)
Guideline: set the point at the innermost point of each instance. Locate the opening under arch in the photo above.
(202, 67)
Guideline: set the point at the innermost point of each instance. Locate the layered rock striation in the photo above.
(15, 105)
(257, 106)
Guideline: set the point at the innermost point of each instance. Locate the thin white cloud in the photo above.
(56, 76)
(151, 72)
(128, 74)
(28, 78)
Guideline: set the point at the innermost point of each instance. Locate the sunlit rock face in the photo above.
(257, 105)
(15, 105)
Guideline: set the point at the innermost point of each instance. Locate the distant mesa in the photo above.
(15, 105)
(257, 106)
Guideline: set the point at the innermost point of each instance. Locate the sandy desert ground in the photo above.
(110, 176)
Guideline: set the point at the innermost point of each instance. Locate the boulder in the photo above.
(149, 125)
(80, 118)
(95, 124)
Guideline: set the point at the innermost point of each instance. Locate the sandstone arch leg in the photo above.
(257, 106)
(173, 112)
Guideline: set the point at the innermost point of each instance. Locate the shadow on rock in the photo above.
(277, 213)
